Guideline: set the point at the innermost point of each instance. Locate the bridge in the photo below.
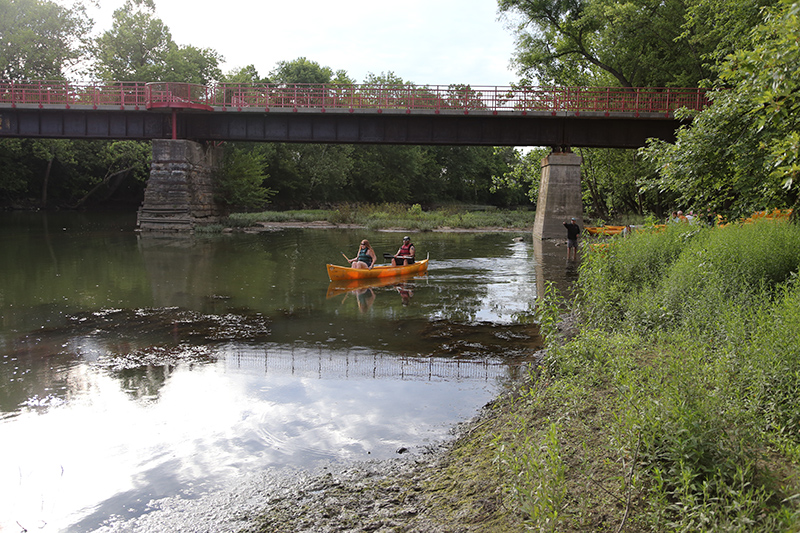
(162, 112)
(601, 117)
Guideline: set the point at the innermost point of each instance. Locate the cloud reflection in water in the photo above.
(106, 451)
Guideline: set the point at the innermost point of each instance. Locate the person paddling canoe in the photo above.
(365, 258)
(405, 255)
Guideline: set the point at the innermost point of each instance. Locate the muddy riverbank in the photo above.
(452, 486)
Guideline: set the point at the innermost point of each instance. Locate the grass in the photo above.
(683, 382)
(384, 216)
(243, 220)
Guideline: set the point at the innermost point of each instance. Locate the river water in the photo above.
(139, 367)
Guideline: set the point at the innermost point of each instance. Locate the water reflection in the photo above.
(552, 267)
(109, 452)
(135, 368)
(365, 291)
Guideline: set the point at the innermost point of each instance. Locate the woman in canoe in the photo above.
(366, 256)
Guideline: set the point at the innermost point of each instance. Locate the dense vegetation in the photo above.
(674, 406)
(383, 216)
(738, 156)
(139, 46)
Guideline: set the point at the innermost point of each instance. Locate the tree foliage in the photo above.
(645, 43)
(239, 181)
(71, 173)
(741, 153)
(618, 182)
(139, 47)
(40, 39)
(244, 75)
(522, 174)
(300, 70)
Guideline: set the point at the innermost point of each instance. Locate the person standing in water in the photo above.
(573, 230)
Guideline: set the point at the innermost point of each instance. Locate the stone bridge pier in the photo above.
(559, 195)
(180, 191)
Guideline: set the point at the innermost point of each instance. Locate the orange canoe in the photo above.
(336, 272)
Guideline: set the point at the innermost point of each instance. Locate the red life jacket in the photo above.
(406, 249)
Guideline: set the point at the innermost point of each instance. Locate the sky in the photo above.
(427, 42)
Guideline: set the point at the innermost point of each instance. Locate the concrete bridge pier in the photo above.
(180, 191)
(559, 195)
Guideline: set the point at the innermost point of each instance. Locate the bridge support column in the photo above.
(180, 192)
(559, 195)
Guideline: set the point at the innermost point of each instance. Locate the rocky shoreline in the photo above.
(397, 495)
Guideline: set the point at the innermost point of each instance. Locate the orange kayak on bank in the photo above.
(337, 273)
(605, 230)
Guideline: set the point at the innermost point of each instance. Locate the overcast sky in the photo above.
(427, 42)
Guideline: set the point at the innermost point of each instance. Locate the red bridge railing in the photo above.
(408, 98)
(71, 94)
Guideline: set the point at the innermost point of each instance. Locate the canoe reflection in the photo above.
(364, 293)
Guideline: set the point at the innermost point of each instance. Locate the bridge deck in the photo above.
(406, 98)
(533, 116)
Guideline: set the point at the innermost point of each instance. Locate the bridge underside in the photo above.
(179, 191)
(373, 127)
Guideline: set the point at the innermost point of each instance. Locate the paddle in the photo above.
(344, 257)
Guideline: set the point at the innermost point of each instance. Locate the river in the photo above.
(139, 367)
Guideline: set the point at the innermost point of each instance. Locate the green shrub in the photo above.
(685, 275)
(697, 329)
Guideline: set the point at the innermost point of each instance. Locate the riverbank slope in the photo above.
(672, 407)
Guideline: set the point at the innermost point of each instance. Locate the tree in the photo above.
(385, 173)
(741, 153)
(325, 169)
(768, 77)
(40, 39)
(300, 70)
(617, 181)
(189, 64)
(239, 183)
(16, 174)
(722, 26)
(136, 46)
(465, 172)
(71, 173)
(243, 75)
(103, 167)
(523, 173)
(139, 47)
(656, 43)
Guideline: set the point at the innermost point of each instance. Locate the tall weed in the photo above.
(537, 476)
(612, 274)
(685, 276)
(711, 317)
